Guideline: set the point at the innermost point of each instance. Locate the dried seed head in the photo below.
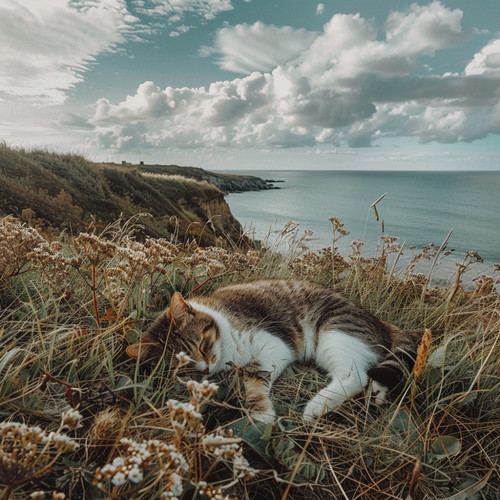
(107, 427)
(26, 451)
(422, 353)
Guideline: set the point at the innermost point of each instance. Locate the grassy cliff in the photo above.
(67, 192)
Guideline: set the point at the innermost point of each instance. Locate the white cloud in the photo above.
(165, 15)
(486, 61)
(47, 46)
(320, 9)
(258, 47)
(130, 137)
(345, 85)
(175, 10)
(425, 28)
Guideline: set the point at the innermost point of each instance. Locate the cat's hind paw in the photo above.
(264, 417)
(379, 393)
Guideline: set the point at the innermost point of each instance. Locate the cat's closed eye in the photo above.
(208, 327)
(204, 346)
(190, 346)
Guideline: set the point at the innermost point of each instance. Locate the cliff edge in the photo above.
(64, 192)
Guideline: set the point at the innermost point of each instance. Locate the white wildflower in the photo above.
(183, 359)
(119, 479)
(135, 475)
(72, 419)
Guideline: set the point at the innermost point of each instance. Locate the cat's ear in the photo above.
(147, 347)
(179, 309)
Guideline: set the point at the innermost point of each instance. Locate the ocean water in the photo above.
(419, 208)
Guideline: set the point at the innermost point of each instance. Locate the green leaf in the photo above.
(435, 376)
(255, 435)
(404, 421)
(124, 383)
(445, 446)
(7, 357)
(288, 455)
(284, 451)
(467, 493)
(437, 357)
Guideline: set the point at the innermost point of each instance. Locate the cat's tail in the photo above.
(399, 361)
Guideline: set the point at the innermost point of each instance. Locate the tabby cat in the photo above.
(266, 325)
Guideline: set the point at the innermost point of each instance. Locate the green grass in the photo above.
(67, 314)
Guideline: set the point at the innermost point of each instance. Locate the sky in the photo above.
(255, 84)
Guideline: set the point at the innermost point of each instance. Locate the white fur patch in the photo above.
(271, 352)
(340, 354)
(347, 359)
(379, 393)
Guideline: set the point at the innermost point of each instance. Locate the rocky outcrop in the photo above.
(237, 184)
(229, 183)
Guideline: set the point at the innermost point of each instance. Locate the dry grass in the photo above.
(69, 310)
(179, 178)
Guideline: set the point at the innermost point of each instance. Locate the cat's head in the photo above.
(181, 328)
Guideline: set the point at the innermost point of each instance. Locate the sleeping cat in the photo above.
(266, 325)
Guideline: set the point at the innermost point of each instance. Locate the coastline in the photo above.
(420, 209)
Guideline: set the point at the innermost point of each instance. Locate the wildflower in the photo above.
(16, 243)
(214, 492)
(338, 228)
(185, 417)
(174, 487)
(27, 452)
(202, 391)
(37, 495)
(221, 446)
(389, 244)
(118, 479)
(183, 359)
(228, 447)
(472, 257)
(242, 467)
(48, 258)
(96, 249)
(356, 246)
(129, 467)
(62, 442)
(135, 475)
(72, 419)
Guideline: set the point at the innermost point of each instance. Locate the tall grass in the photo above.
(69, 310)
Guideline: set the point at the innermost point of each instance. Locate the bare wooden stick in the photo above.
(377, 200)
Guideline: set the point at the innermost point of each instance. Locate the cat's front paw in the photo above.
(379, 393)
(264, 417)
(316, 408)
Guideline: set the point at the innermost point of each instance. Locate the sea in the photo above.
(419, 208)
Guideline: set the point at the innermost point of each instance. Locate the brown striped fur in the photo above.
(281, 308)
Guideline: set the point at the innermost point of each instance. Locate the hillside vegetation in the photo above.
(56, 192)
(80, 419)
